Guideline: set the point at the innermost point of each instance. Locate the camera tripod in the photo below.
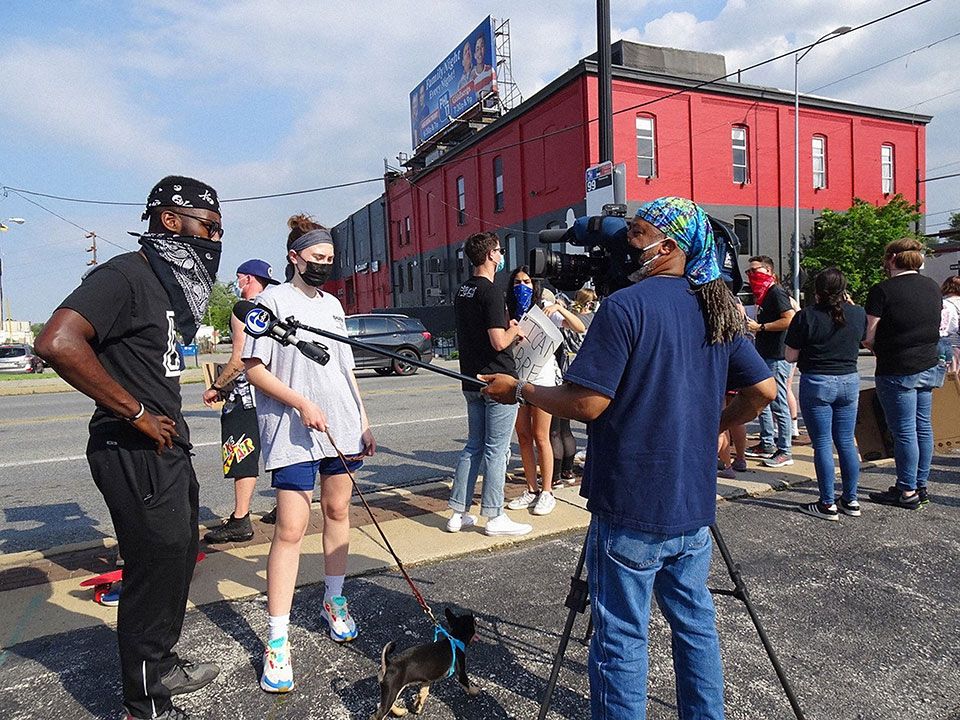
(578, 600)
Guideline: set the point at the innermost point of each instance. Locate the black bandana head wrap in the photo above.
(178, 191)
(187, 268)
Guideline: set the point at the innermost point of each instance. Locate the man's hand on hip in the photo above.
(159, 428)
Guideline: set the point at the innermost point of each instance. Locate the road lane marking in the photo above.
(74, 458)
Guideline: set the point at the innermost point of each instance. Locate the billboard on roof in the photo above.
(466, 77)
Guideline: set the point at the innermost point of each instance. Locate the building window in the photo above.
(461, 202)
(819, 154)
(410, 275)
(498, 184)
(406, 226)
(738, 137)
(743, 227)
(512, 260)
(646, 147)
(887, 182)
(400, 278)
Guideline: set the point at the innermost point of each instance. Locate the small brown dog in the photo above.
(425, 664)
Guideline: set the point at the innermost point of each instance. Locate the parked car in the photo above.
(400, 334)
(19, 358)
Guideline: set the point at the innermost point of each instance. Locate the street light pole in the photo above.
(4, 228)
(797, 57)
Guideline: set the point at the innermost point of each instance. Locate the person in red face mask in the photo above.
(774, 313)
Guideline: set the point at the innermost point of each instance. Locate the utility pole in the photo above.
(604, 82)
(93, 247)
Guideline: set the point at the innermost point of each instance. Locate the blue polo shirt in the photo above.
(652, 454)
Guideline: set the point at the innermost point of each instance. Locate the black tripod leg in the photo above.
(577, 602)
(589, 633)
(741, 593)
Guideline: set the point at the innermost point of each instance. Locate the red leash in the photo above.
(416, 592)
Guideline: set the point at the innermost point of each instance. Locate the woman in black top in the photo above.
(824, 340)
(903, 330)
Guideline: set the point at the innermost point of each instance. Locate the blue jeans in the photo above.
(489, 429)
(778, 411)
(624, 567)
(907, 402)
(829, 406)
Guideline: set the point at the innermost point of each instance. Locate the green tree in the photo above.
(221, 305)
(955, 221)
(36, 328)
(853, 240)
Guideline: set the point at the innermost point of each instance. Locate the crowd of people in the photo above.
(653, 352)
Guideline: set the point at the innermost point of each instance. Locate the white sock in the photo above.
(277, 626)
(332, 586)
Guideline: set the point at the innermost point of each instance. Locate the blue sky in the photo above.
(101, 99)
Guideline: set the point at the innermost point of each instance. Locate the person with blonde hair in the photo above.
(903, 331)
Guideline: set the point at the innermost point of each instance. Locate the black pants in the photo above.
(564, 446)
(153, 502)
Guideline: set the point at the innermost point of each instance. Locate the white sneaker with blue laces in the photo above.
(277, 674)
(337, 615)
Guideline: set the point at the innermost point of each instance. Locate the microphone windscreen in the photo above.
(257, 320)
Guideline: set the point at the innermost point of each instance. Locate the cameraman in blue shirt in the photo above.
(650, 380)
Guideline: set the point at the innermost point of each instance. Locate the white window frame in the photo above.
(818, 156)
(461, 201)
(740, 143)
(498, 198)
(888, 177)
(646, 126)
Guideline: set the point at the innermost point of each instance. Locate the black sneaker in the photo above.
(818, 509)
(233, 529)
(187, 677)
(760, 451)
(922, 494)
(851, 508)
(174, 713)
(778, 459)
(893, 496)
(270, 518)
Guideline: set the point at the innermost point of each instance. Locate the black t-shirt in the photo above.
(775, 303)
(135, 335)
(480, 306)
(909, 310)
(824, 348)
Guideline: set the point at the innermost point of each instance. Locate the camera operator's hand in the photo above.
(369, 444)
(500, 388)
(211, 396)
(159, 428)
(312, 416)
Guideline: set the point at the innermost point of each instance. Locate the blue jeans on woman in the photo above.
(624, 568)
(489, 429)
(907, 401)
(829, 407)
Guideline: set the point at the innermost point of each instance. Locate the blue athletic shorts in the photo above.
(303, 476)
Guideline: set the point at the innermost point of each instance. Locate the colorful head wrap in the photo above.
(686, 223)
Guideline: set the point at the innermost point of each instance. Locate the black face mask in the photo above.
(316, 273)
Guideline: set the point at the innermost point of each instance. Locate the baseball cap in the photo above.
(260, 268)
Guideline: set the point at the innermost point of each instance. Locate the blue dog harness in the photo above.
(455, 645)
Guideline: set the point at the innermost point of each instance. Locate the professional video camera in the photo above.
(608, 261)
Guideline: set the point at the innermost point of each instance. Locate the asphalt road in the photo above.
(862, 612)
(49, 499)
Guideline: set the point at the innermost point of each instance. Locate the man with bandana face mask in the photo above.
(648, 380)
(113, 339)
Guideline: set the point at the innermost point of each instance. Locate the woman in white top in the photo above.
(950, 320)
(533, 424)
(298, 403)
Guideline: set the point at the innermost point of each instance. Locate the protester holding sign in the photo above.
(537, 363)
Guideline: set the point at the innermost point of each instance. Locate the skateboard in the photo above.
(101, 584)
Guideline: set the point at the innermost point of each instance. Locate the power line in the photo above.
(941, 177)
(69, 222)
(931, 99)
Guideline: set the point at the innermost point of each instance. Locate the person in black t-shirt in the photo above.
(774, 313)
(113, 339)
(484, 338)
(903, 330)
(824, 340)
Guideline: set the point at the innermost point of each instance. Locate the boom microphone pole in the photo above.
(259, 321)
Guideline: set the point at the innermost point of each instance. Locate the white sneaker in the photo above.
(545, 504)
(337, 615)
(503, 525)
(795, 429)
(527, 500)
(277, 674)
(459, 521)
(581, 457)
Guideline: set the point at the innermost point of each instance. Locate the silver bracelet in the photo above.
(137, 416)
(519, 394)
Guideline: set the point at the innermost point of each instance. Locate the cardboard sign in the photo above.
(535, 349)
(211, 371)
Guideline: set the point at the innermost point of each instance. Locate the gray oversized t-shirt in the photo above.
(283, 437)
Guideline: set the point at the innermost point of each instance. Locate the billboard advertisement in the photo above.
(464, 78)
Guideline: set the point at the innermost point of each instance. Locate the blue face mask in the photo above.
(524, 296)
(502, 263)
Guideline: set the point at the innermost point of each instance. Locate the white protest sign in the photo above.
(535, 349)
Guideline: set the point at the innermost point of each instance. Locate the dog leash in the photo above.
(416, 592)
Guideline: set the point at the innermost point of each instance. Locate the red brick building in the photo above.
(726, 145)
